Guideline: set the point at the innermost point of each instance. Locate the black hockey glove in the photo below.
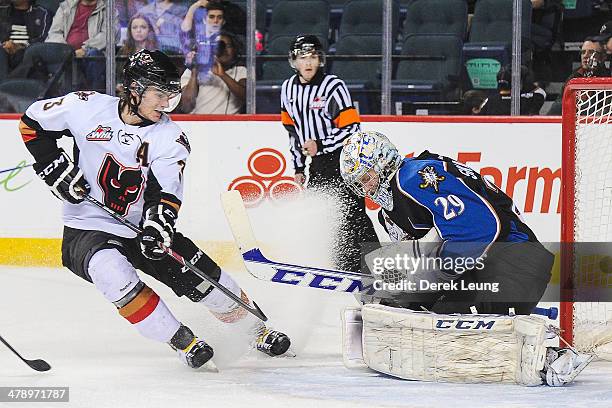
(157, 227)
(64, 178)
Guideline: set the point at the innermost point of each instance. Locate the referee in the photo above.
(318, 113)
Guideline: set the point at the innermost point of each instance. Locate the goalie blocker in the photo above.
(456, 348)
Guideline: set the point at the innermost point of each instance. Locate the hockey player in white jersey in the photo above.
(129, 155)
(480, 329)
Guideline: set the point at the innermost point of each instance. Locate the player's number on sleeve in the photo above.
(452, 206)
(51, 104)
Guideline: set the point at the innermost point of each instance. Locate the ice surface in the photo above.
(51, 314)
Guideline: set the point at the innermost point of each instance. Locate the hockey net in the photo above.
(587, 215)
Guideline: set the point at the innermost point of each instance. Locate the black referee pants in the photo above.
(355, 226)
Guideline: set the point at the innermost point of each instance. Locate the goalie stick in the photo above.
(38, 365)
(255, 310)
(261, 267)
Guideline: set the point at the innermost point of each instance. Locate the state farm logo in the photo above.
(266, 167)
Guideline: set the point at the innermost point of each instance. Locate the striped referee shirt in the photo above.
(322, 110)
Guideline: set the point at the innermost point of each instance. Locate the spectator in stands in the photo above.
(140, 35)
(474, 103)
(532, 96)
(545, 24)
(200, 32)
(225, 91)
(216, 14)
(128, 8)
(22, 24)
(81, 24)
(592, 58)
(166, 16)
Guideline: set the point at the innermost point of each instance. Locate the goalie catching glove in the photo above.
(158, 227)
(64, 178)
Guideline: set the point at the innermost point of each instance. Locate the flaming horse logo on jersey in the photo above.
(121, 185)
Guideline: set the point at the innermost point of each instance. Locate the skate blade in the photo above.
(585, 360)
(261, 355)
(209, 367)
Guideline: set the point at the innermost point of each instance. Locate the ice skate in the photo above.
(196, 354)
(271, 342)
(563, 365)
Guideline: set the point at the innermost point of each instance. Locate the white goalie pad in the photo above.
(352, 328)
(453, 348)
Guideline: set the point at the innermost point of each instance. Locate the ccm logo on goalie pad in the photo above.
(465, 324)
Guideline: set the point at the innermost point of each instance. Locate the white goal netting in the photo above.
(592, 214)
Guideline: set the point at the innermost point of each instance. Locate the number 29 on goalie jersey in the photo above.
(468, 211)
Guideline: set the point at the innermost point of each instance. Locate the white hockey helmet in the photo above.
(365, 151)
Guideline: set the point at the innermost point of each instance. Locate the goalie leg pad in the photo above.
(352, 328)
(454, 348)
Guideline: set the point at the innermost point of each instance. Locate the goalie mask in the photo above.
(154, 69)
(367, 163)
(304, 45)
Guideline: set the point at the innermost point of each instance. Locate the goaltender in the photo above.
(460, 280)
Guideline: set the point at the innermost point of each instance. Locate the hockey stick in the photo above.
(255, 311)
(38, 365)
(263, 268)
(552, 312)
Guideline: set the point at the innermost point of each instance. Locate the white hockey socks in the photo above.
(221, 306)
(116, 278)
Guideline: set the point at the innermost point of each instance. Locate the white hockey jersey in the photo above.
(119, 161)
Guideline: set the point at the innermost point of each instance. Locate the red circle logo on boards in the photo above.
(266, 167)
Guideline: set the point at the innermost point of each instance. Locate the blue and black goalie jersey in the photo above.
(468, 211)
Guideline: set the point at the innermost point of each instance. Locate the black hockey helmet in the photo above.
(305, 44)
(150, 68)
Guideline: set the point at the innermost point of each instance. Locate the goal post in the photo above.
(586, 215)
